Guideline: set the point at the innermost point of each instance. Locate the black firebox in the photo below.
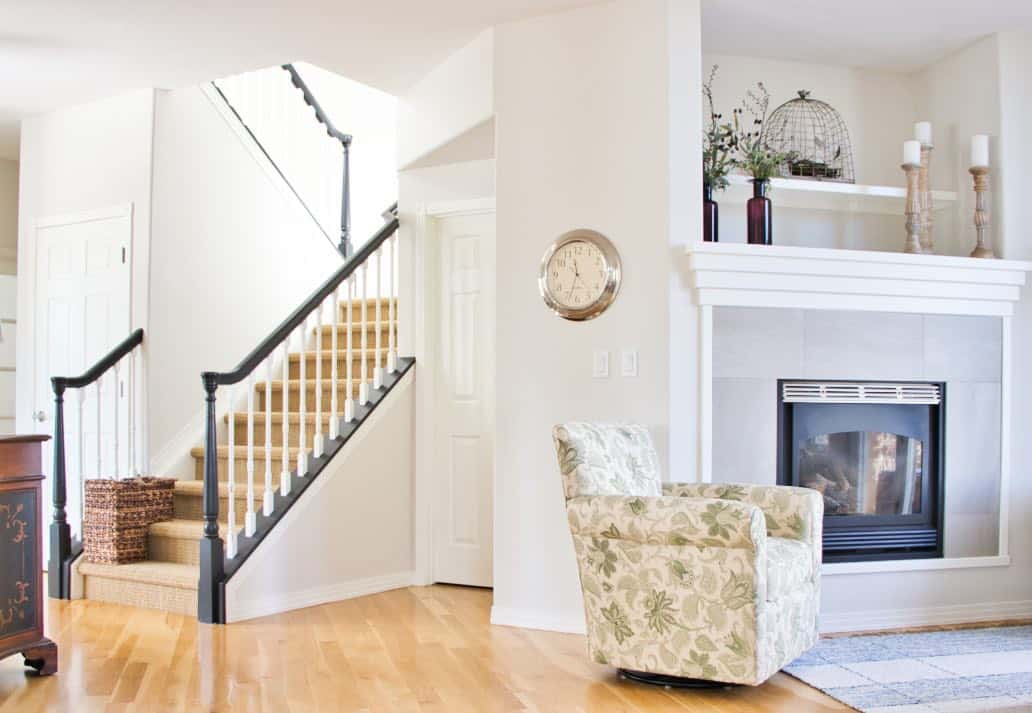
(874, 450)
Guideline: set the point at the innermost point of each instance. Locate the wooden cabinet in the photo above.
(21, 553)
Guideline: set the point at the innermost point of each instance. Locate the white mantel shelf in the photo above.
(741, 275)
(831, 195)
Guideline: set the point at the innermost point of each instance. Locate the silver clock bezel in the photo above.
(610, 257)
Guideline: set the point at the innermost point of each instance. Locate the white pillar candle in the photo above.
(979, 150)
(923, 132)
(912, 153)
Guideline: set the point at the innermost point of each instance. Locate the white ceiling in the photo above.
(898, 35)
(60, 52)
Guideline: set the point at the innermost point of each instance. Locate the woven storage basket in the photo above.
(117, 515)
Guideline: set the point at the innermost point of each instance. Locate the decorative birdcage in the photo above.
(814, 136)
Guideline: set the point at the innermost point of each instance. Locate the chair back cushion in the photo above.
(606, 459)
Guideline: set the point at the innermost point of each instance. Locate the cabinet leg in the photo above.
(42, 656)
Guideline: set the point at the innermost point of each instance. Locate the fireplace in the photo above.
(874, 451)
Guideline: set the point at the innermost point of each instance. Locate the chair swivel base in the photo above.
(660, 679)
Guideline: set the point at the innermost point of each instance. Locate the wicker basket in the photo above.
(117, 515)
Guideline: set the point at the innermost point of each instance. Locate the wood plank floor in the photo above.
(426, 649)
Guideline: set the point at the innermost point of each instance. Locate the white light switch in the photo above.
(629, 362)
(600, 364)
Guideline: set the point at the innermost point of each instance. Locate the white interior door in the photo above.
(464, 394)
(82, 312)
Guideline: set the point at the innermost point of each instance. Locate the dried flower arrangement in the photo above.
(752, 141)
(719, 140)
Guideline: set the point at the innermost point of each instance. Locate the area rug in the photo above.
(962, 671)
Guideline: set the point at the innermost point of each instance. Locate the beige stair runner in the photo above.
(167, 579)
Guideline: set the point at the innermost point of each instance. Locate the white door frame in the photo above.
(426, 274)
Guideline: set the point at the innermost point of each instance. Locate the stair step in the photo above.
(240, 463)
(294, 389)
(294, 427)
(371, 356)
(167, 586)
(356, 334)
(370, 309)
(176, 541)
(189, 496)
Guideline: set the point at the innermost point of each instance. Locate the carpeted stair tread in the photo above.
(241, 452)
(196, 488)
(240, 418)
(169, 574)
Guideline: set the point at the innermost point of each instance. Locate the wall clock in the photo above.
(580, 275)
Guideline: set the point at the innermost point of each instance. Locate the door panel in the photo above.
(464, 444)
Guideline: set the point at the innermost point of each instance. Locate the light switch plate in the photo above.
(600, 364)
(629, 362)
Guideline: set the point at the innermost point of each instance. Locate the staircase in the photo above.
(168, 578)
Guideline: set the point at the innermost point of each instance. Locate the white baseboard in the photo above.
(534, 619)
(878, 619)
(318, 595)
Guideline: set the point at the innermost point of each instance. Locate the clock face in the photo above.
(580, 275)
(577, 274)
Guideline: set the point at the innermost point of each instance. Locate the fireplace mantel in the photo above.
(739, 275)
(734, 274)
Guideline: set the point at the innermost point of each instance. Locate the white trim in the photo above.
(321, 595)
(880, 619)
(1006, 374)
(917, 565)
(706, 394)
(468, 206)
(122, 210)
(535, 619)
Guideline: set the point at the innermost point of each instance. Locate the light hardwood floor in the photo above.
(421, 649)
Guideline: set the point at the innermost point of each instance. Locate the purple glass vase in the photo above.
(758, 214)
(710, 227)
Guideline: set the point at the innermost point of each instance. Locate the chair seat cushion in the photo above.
(789, 566)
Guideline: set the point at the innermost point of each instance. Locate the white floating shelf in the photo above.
(829, 195)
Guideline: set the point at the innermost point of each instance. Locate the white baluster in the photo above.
(334, 384)
(302, 450)
(268, 498)
(363, 388)
(285, 395)
(318, 447)
(250, 520)
(114, 439)
(392, 308)
(231, 529)
(82, 457)
(100, 453)
(349, 354)
(377, 371)
(132, 413)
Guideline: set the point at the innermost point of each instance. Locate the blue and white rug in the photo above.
(964, 671)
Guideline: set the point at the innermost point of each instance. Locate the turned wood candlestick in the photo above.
(913, 208)
(981, 176)
(927, 241)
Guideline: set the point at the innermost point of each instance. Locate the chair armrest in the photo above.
(795, 513)
(668, 521)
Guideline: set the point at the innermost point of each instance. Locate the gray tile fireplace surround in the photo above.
(754, 347)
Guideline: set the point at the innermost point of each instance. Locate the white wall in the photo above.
(450, 100)
(8, 216)
(232, 255)
(357, 516)
(582, 141)
(95, 155)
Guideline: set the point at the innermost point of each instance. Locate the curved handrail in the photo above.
(97, 370)
(311, 101)
(212, 379)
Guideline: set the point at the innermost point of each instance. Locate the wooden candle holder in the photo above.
(913, 208)
(927, 241)
(981, 177)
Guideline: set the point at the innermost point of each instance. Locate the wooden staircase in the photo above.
(168, 578)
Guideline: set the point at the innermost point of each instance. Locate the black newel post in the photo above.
(210, 604)
(60, 533)
(346, 248)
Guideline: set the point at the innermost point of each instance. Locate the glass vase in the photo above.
(710, 226)
(758, 214)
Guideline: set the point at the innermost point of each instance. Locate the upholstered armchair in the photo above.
(695, 581)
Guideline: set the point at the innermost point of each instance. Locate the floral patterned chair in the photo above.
(687, 582)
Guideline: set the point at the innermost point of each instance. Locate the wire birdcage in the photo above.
(815, 137)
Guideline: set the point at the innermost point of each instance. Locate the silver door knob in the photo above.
(40, 416)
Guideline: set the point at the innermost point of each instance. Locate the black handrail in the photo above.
(211, 585)
(345, 142)
(62, 552)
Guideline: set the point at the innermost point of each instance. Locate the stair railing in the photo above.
(370, 275)
(315, 168)
(106, 378)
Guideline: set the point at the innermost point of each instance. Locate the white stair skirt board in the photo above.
(243, 600)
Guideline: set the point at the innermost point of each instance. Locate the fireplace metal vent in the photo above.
(843, 392)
